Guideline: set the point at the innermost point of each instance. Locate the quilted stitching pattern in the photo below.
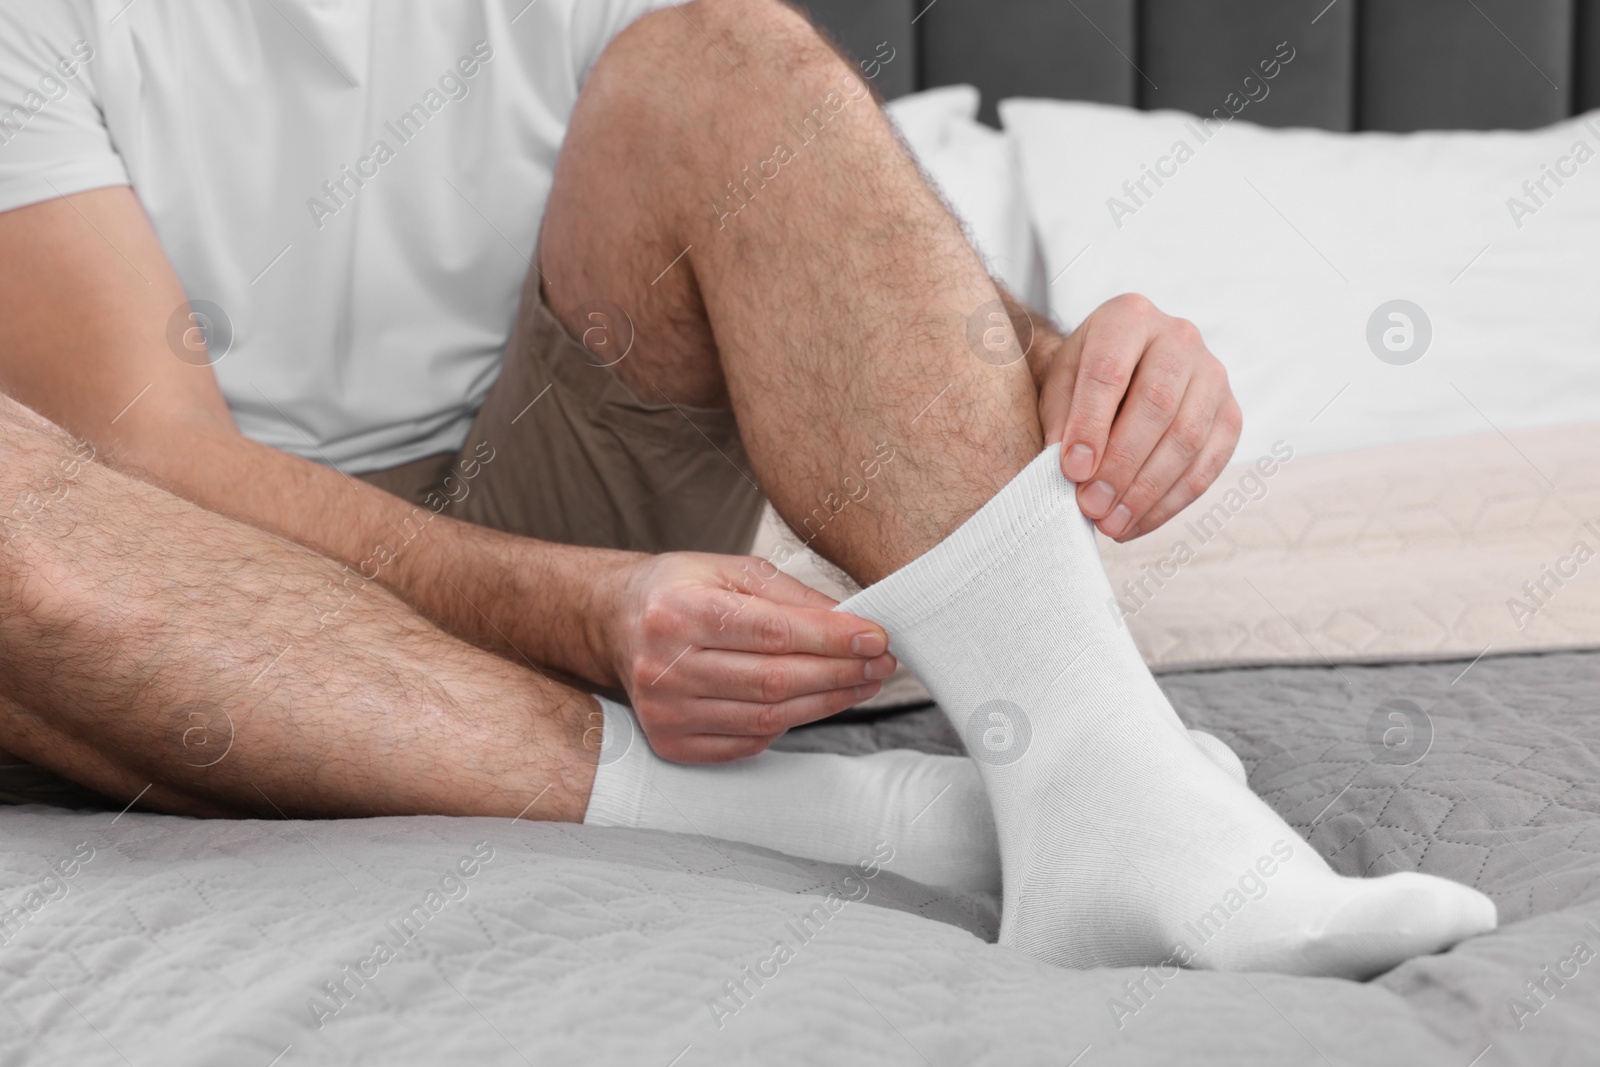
(190, 942)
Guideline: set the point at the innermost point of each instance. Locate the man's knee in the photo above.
(677, 68)
(769, 31)
(763, 28)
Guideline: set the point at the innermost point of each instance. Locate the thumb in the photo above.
(1055, 394)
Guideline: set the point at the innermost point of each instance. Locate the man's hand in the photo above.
(1143, 413)
(722, 654)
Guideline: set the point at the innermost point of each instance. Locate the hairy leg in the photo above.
(158, 652)
(730, 184)
(149, 643)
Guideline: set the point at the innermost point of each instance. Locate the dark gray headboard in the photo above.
(1359, 64)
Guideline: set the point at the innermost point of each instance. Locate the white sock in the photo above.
(930, 812)
(1218, 752)
(925, 817)
(1121, 843)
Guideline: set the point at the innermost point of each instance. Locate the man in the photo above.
(739, 280)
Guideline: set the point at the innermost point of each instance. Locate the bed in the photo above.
(194, 942)
(1349, 631)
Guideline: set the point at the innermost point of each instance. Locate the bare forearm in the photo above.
(148, 642)
(519, 597)
(83, 341)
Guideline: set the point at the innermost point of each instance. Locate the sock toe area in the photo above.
(1389, 919)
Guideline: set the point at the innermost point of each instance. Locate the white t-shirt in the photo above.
(356, 184)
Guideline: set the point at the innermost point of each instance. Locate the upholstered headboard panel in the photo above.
(1359, 64)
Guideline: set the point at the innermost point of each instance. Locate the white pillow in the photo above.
(972, 167)
(1281, 245)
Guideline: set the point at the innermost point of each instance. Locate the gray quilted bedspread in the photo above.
(152, 940)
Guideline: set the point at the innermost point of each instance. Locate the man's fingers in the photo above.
(1113, 340)
(745, 728)
(1185, 436)
(786, 590)
(745, 718)
(866, 638)
(1199, 475)
(773, 679)
(751, 719)
(711, 748)
(760, 625)
(1153, 403)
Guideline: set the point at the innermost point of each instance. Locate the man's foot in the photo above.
(1150, 852)
(922, 816)
(1124, 841)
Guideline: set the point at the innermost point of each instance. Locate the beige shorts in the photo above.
(563, 451)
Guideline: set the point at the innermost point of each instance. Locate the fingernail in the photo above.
(862, 692)
(1096, 500)
(1117, 521)
(881, 667)
(868, 645)
(1080, 462)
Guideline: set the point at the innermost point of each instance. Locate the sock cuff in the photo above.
(622, 772)
(1038, 493)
